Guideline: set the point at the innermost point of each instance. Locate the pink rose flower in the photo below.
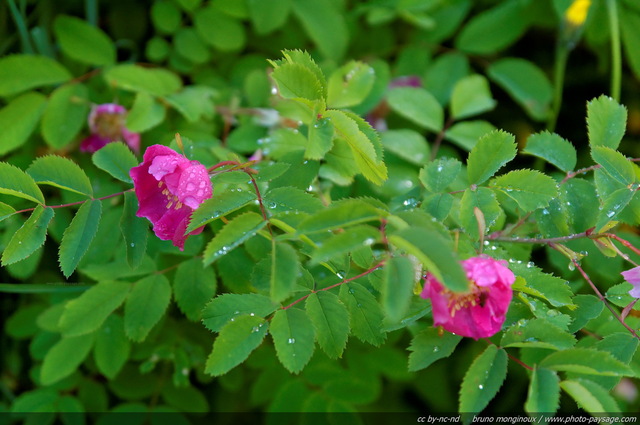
(169, 187)
(479, 312)
(633, 277)
(107, 124)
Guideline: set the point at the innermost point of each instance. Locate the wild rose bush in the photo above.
(404, 213)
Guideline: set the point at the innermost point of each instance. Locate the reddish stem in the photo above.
(74, 203)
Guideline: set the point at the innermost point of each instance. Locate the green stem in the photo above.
(616, 61)
(91, 7)
(562, 54)
(22, 27)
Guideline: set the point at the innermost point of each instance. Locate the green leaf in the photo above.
(606, 122)
(145, 113)
(14, 181)
(190, 45)
(60, 172)
(294, 338)
(435, 254)
(226, 307)
(586, 360)
(84, 42)
(29, 237)
(485, 200)
(417, 105)
(530, 189)
(154, 81)
(340, 214)
(320, 138)
(65, 357)
(553, 149)
(78, 236)
(471, 96)
(365, 313)
(349, 85)
(483, 379)
(479, 36)
(65, 115)
(344, 242)
(407, 144)
(38, 400)
(267, 17)
(492, 151)
(18, 119)
(539, 333)
(219, 30)
(193, 287)
(6, 211)
(526, 83)
(629, 23)
(429, 346)
(397, 287)
(235, 342)
(613, 205)
(467, 133)
(544, 392)
(19, 73)
(145, 306)
(316, 17)
(165, 16)
(285, 199)
(88, 312)
(615, 164)
(440, 173)
(112, 348)
(218, 206)
(368, 160)
(590, 396)
(193, 102)
(554, 290)
(116, 159)
(134, 231)
(589, 307)
(284, 271)
(330, 320)
(233, 234)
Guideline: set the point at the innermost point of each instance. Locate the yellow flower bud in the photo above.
(576, 14)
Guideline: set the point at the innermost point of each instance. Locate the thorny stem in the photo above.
(572, 174)
(371, 270)
(497, 237)
(74, 203)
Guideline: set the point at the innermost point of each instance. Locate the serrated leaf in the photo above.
(14, 181)
(6, 211)
(112, 348)
(397, 287)
(145, 113)
(330, 320)
(407, 144)
(554, 290)
(283, 199)
(440, 173)
(218, 206)
(320, 138)
(530, 189)
(295, 81)
(435, 254)
(417, 105)
(284, 271)
(154, 81)
(116, 159)
(145, 306)
(18, 119)
(78, 236)
(590, 396)
(483, 199)
(193, 287)
(29, 237)
(347, 241)
(86, 313)
(134, 231)
(65, 115)
(606, 122)
(365, 313)
(84, 42)
(65, 357)
(22, 72)
(492, 151)
(349, 85)
(553, 149)
(471, 96)
(429, 346)
(586, 360)
(367, 157)
(342, 214)
(539, 333)
(588, 307)
(233, 234)
(613, 205)
(60, 172)
(526, 83)
(293, 337)
(226, 307)
(235, 342)
(544, 392)
(483, 379)
(615, 164)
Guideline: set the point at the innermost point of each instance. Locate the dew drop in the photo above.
(132, 244)
(486, 243)
(368, 242)
(291, 341)
(480, 386)
(436, 349)
(341, 274)
(185, 371)
(352, 291)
